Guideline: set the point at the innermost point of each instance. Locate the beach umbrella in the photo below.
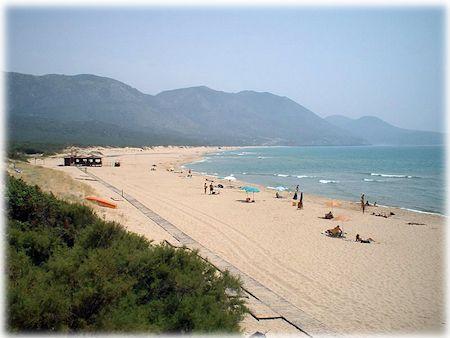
(248, 189)
(280, 188)
(333, 203)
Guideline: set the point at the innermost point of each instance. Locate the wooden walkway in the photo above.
(263, 302)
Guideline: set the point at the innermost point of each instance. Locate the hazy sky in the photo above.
(361, 61)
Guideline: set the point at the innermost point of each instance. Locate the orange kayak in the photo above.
(102, 202)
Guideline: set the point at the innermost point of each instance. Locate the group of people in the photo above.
(299, 204)
(211, 188)
(338, 232)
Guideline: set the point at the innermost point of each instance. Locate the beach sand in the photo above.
(395, 285)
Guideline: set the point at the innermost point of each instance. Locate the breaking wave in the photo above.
(391, 175)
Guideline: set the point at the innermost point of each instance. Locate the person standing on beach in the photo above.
(363, 205)
(211, 188)
(205, 187)
(296, 192)
(300, 202)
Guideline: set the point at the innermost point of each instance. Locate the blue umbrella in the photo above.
(248, 189)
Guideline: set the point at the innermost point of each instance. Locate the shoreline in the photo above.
(392, 285)
(267, 189)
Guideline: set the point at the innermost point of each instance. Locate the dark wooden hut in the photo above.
(83, 161)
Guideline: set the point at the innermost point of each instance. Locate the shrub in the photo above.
(70, 271)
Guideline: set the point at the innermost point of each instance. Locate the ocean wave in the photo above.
(373, 180)
(392, 175)
(244, 153)
(201, 161)
(328, 181)
(279, 188)
(421, 211)
(281, 175)
(305, 176)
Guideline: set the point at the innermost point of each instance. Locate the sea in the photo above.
(409, 177)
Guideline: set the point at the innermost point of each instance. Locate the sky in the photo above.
(385, 62)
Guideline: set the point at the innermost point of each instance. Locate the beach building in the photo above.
(84, 161)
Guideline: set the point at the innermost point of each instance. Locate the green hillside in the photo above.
(98, 110)
(379, 132)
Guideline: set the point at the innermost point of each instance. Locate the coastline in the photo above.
(392, 285)
(267, 189)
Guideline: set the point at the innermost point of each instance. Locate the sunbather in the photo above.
(359, 239)
(329, 215)
(335, 232)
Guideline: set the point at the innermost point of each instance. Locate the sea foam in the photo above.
(328, 181)
(391, 175)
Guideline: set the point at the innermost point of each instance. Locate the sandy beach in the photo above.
(394, 285)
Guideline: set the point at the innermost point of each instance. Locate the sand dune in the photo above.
(394, 285)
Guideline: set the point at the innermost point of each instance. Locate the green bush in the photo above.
(20, 149)
(70, 271)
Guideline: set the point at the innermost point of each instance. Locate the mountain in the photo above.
(88, 109)
(377, 131)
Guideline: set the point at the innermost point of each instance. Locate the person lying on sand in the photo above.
(335, 232)
(359, 239)
(383, 215)
(329, 215)
(414, 223)
(379, 215)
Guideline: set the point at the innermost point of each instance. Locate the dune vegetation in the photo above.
(70, 271)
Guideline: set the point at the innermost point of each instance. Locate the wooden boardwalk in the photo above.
(262, 302)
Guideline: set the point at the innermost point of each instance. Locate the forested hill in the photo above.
(88, 109)
(377, 131)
